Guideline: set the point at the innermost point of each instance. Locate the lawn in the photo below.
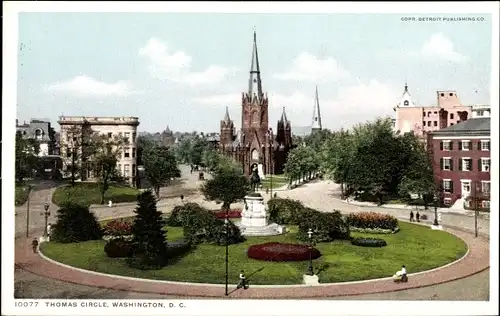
(277, 181)
(88, 193)
(417, 247)
(21, 194)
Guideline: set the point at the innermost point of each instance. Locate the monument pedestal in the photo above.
(438, 227)
(254, 219)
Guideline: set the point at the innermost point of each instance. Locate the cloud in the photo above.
(230, 99)
(88, 86)
(441, 47)
(176, 66)
(308, 67)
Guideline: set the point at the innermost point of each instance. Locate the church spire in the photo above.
(254, 82)
(316, 123)
(226, 116)
(406, 85)
(284, 119)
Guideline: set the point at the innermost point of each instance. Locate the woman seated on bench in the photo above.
(401, 275)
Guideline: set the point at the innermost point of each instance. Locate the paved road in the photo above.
(318, 195)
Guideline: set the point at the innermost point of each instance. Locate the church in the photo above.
(256, 144)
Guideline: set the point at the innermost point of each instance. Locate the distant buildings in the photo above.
(41, 131)
(461, 160)
(110, 126)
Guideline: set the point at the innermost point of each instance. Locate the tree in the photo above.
(149, 236)
(316, 139)
(161, 166)
(102, 163)
(199, 145)
(300, 163)
(228, 186)
(26, 157)
(75, 223)
(74, 146)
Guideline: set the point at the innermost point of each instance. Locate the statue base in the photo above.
(254, 218)
(438, 227)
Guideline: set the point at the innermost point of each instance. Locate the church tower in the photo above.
(406, 100)
(284, 132)
(226, 131)
(255, 117)
(316, 121)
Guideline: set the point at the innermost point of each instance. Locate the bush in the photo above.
(374, 230)
(368, 242)
(372, 220)
(285, 211)
(178, 248)
(87, 193)
(176, 216)
(232, 214)
(118, 248)
(75, 223)
(275, 251)
(326, 227)
(21, 194)
(118, 228)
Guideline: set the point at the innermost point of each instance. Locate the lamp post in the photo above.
(310, 267)
(226, 221)
(46, 213)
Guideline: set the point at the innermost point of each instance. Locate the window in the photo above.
(134, 136)
(406, 103)
(442, 94)
(133, 170)
(465, 145)
(435, 123)
(133, 152)
(68, 152)
(485, 145)
(480, 113)
(110, 135)
(429, 123)
(447, 186)
(446, 145)
(435, 112)
(429, 113)
(486, 204)
(126, 153)
(126, 170)
(38, 134)
(446, 164)
(485, 187)
(424, 123)
(451, 116)
(423, 114)
(484, 164)
(466, 164)
(119, 168)
(447, 201)
(451, 124)
(127, 136)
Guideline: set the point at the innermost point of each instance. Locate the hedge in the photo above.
(275, 251)
(372, 220)
(326, 227)
(369, 242)
(119, 248)
(285, 211)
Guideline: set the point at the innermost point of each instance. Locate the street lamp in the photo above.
(226, 221)
(310, 267)
(46, 213)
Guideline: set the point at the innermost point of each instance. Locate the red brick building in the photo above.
(256, 143)
(461, 160)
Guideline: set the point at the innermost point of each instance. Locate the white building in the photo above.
(481, 111)
(110, 126)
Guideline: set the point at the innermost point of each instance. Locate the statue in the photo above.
(254, 179)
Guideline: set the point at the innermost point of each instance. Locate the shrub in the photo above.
(326, 227)
(87, 193)
(275, 251)
(372, 220)
(178, 248)
(374, 230)
(118, 248)
(75, 223)
(369, 242)
(231, 213)
(176, 216)
(285, 211)
(118, 228)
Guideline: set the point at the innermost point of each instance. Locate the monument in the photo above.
(254, 217)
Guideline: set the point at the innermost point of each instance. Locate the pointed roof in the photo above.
(406, 98)
(255, 82)
(284, 119)
(316, 123)
(226, 116)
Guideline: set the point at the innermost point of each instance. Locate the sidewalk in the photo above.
(475, 261)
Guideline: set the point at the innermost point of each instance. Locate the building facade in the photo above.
(256, 144)
(461, 160)
(448, 111)
(110, 126)
(41, 131)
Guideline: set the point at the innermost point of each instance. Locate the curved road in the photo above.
(316, 195)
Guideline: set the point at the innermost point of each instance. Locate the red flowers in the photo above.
(235, 213)
(275, 251)
(118, 228)
(372, 220)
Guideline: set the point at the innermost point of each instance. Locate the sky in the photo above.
(182, 69)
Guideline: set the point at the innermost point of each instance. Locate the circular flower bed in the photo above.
(232, 214)
(369, 242)
(275, 251)
(118, 229)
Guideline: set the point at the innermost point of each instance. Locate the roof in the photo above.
(475, 126)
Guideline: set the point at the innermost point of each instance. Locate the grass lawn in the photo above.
(21, 194)
(277, 181)
(88, 193)
(417, 247)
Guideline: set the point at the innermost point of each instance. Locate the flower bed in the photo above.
(275, 251)
(235, 213)
(372, 220)
(369, 242)
(374, 230)
(118, 227)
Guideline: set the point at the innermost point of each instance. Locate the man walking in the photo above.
(34, 244)
(411, 216)
(418, 216)
(242, 283)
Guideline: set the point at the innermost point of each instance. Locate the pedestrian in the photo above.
(243, 283)
(411, 216)
(182, 197)
(418, 216)
(49, 230)
(34, 244)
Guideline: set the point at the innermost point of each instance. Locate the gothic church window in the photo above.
(255, 154)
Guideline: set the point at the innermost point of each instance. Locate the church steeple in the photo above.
(226, 116)
(316, 123)
(254, 82)
(284, 119)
